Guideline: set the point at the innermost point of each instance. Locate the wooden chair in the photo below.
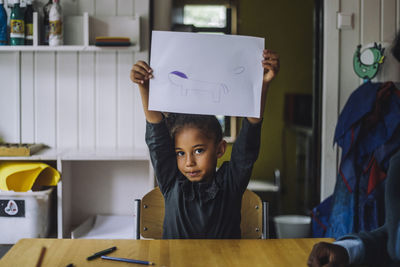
(150, 216)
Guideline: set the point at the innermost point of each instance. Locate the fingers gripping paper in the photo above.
(206, 73)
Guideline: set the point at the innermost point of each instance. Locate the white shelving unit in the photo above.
(80, 33)
(68, 160)
(77, 98)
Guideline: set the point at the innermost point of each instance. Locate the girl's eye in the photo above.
(179, 153)
(198, 151)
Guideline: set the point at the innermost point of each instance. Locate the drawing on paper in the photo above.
(238, 70)
(181, 80)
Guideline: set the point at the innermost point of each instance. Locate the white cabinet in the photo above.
(79, 100)
(95, 182)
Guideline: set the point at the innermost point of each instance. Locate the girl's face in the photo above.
(196, 154)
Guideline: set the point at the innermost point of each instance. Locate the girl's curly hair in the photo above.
(207, 124)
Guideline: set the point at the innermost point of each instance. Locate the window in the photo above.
(229, 127)
(214, 18)
(211, 16)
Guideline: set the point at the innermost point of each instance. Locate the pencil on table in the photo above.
(41, 256)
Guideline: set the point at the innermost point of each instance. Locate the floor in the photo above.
(4, 249)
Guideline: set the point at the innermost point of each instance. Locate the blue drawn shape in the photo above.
(180, 74)
(181, 80)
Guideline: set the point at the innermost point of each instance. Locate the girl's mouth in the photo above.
(193, 174)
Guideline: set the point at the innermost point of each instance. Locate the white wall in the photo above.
(373, 21)
(75, 99)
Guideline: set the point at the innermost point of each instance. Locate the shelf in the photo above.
(105, 154)
(44, 154)
(68, 48)
(262, 186)
(106, 227)
(86, 155)
(80, 34)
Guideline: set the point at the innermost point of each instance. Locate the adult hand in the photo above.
(328, 255)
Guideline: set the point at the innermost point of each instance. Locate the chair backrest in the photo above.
(252, 217)
(152, 215)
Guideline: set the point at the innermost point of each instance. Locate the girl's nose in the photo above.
(190, 160)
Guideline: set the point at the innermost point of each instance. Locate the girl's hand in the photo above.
(270, 64)
(141, 73)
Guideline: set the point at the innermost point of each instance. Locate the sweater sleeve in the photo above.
(383, 244)
(392, 207)
(162, 154)
(355, 249)
(245, 152)
(375, 249)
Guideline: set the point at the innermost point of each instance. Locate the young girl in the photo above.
(201, 202)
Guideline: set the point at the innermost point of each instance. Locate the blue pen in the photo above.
(127, 260)
(101, 253)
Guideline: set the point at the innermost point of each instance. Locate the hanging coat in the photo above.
(368, 133)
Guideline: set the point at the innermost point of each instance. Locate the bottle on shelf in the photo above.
(55, 22)
(46, 30)
(17, 25)
(29, 23)
(3, 24)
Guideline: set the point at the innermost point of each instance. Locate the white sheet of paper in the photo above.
(206, 73)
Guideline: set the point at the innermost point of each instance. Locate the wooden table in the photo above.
(245, 252)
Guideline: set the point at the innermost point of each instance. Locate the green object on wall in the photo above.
(366, 63)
